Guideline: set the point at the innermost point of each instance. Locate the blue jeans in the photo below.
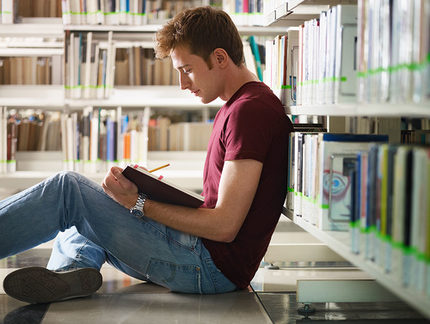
(97, 229)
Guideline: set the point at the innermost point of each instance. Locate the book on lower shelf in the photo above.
(322, 179)
(159, 189)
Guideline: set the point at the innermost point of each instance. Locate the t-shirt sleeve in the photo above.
(247, 132)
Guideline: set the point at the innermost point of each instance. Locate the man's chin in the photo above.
(206, 100)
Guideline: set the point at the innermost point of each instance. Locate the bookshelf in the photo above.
(46, 37)
(339, 242)
(292, 14)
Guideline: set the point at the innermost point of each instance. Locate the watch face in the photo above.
(138, 213)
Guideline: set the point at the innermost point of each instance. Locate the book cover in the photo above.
(356, 186)
(345, 70)
(161, 190)
(399, 217)
(392, 150)
(292, 67)
(256, 53)
(334, 186)
(419, 216)
(407, 255)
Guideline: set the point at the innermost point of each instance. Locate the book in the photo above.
(256, 53)
(419, 216)
(334, 184)
(345, 71)
(291, 54)
(161, 190)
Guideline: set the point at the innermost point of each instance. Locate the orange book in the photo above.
(127, 146)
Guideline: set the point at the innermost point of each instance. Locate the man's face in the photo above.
(195, 75)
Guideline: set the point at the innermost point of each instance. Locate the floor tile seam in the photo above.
(262, 304)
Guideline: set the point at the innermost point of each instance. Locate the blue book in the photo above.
(110, 139)
(333, 137)
(256, 53)
(371, 202)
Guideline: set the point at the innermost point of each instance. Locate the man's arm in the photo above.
(238, 184)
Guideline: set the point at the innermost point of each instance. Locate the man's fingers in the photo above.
(122, 180)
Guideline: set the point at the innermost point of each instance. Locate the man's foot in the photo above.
(39, 285)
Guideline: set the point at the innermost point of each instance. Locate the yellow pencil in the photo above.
(160, 167)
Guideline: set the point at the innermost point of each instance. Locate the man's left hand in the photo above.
(119, 188)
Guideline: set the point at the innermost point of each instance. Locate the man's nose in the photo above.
(184, 81)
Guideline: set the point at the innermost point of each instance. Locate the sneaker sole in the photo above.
(38, 285)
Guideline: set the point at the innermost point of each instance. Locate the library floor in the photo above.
(122, 299)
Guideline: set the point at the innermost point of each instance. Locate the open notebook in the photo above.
(160, 189)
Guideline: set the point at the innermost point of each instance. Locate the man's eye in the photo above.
(187, 71)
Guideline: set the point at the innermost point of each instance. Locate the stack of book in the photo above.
(390, 218)
(11, 11)
(95, 62)
(245, 12)
(379, 192)
(137, 66)
(104, 12)
(326, 72)
(27, 130)
(282, 59)
(313, 65)
(30, 70)
(319, 177)
(95, 140)
(393, 49)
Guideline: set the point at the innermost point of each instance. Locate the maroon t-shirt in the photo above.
(251, 125)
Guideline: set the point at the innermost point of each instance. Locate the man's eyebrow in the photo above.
(183, 66)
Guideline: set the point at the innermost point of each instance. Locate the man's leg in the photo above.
(170, 258)
(71, 251)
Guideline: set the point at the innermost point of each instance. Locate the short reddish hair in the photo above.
(202, 30)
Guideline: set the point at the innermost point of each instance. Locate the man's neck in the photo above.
(235, 79)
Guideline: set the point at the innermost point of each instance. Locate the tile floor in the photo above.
(122, 299)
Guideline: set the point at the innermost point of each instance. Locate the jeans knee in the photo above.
(65, 176)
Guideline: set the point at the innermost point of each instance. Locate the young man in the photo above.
(213, 249)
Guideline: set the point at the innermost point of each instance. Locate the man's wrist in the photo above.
(132, 202)
(138, 208)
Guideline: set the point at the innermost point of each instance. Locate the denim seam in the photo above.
(199, 281)
(208, 262)
(78, 254)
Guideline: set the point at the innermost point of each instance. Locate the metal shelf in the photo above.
(37, 96)
(339, 242)
(381, 110)
(40, 27)
(52, 96)
(243, 30)
(147, 96)
(20, 51)
(294, 12)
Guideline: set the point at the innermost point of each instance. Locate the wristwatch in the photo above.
(137, 210)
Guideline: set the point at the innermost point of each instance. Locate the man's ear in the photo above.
(221, 57)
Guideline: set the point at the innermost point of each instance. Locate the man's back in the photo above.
(251, 125)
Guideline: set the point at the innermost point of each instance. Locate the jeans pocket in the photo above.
(177, 277)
